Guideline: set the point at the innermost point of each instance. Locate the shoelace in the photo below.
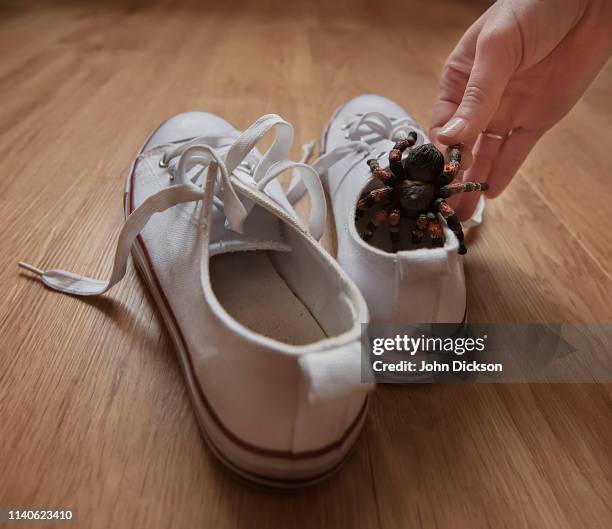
(363, 130)
(382, 127)
(217, 177)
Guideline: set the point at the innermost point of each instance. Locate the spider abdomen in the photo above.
(416, 197)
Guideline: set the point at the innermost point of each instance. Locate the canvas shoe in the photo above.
(265, 323)
(423, 285)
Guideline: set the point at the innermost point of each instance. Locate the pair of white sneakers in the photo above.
(266, 324)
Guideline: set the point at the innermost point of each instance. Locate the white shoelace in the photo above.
(364, 130)
(382, 126)
(378, 127)
(217, 177)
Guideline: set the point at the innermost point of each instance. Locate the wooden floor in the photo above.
(93, 411)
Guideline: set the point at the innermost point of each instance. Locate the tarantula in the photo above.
(416, 187)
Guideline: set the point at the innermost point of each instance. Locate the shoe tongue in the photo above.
(261, 231)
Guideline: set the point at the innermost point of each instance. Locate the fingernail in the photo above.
(453, 127)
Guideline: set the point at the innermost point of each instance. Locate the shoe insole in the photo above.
(253, 292)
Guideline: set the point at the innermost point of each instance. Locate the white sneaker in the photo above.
(423, 285)
(266, 324)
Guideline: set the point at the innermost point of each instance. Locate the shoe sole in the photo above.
(219, 439)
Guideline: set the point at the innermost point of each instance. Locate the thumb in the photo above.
(493, 66)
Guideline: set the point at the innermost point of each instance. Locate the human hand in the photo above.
(518, 69)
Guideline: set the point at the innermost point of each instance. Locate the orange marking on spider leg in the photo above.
(382, 175)
(452, 167)
(378, 194)
(419, 232)
(446, 210)
(380, 217)
(435, 230)
(394, 218)
(421, 222)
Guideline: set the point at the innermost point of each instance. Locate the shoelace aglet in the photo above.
(30, 268)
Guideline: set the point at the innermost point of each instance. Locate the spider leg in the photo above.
(379, 218)
(435, 230)
(461, 187)
(452, 220)
(383, 175)
(419, 231)
(370, 199)
(452, 167)
(395, 154)
(394, 218)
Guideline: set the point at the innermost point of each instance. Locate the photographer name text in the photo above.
(430, 346)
